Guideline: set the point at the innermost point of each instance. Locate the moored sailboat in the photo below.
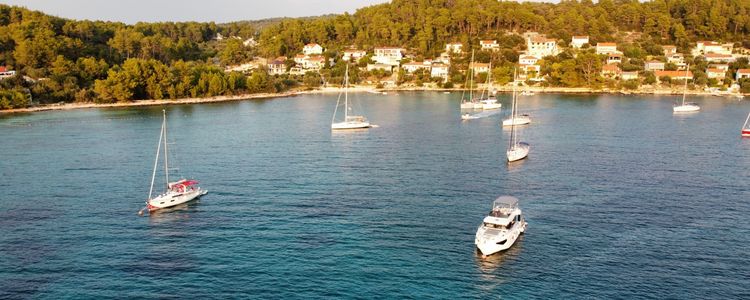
(686, 107)
(350, 121)
(176, 193)
(746, 130)
(516, 150)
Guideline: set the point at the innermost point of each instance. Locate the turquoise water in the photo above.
(623, 199)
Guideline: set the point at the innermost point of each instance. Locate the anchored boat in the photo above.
(501, 227)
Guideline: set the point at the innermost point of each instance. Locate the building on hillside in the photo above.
(276, 67)
(456, 48)
(611, 71)
(654, 65)
(540, 46)
(669, 50)
(5, 73)
(530, 72)
(479, 67)
(353, 55)
(606, 48)
(741, 74)
(578, 41)
(439, 71)
(312, 49)
(677, 59)
(527, 60)
(723, 67)
(718, 57)
(705, 47)
(388, 55)
(675, 75)
(415, 66)
(715, 73)
(629, 75)
(489, 45)
(614, 58)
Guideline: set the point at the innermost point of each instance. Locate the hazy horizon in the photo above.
(219, 11)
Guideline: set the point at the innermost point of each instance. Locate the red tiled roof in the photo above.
(606, 44)
(743, 71)
(714, 71)
(673, 73)
(718, 55)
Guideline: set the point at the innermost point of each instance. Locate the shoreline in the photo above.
(363, 88)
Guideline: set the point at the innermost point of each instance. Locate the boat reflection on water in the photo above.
(174, 213)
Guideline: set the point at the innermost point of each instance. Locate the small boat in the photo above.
(685, 107)
(516, 150)
(745, 130)
(490, 103)
(523, 119)
(177, 192)
(469, 117)
(501, 227)
(446, 93)
(527, 93)
(350, 121)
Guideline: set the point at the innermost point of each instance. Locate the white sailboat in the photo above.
(516, 119)
(350, 121)
(686, 107)
(516, 150)
(746, 130)
(470, 103)
(490, 102)
(177, 192)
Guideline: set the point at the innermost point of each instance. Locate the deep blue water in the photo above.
(623, 199)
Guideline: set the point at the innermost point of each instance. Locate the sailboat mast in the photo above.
(513, 114)
(489, 80)
(684, 90)
(166, 152)
(156, 161)
(747, 119)
(346, 93)
(471, 78)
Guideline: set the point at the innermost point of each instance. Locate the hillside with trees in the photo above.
(62, 60)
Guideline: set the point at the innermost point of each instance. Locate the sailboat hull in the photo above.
(519, 120)
(686, 108)
(488, 106)
(172, 198)
(745, 132)
(350, 125)
(518, 152)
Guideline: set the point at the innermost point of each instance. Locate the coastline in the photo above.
(361, 88)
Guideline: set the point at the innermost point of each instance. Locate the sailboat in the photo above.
(686, 107)
(746, 130)
(177, 192)
(516, 150)
(516, 119)
(350, 121)
(470, 103)
(490, 102)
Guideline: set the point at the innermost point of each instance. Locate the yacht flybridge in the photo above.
(177, 192)
(350, 121)
(686, 107)
(501, 227)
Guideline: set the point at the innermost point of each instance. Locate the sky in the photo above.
(220, 11)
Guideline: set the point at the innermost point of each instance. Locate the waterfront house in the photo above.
(629, 75)
(678, 59)
(705, 47)
(614, 58)
(353, 55)
(579, 40)
(540, 46)
(530, 72)
(715, 73)
(479, 67)
(742, 73)
(719, 57)
(606, 48)
(669, 50)
(611, 71)
(388, 55)
(5, 73)
(654, 65)
(415, 66)
(527, 60)
(439, 71)
(456, 48)
(489, 45)
(312, 49)
(679, 75)
(276, 67)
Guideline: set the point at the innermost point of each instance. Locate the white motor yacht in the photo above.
(491, 103)
(501, 228)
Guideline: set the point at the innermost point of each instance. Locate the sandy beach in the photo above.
(355, 89)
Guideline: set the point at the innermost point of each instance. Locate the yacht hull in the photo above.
(172, 199)
(350, 125)
(486, 106)
(491, 244)
(686, 108)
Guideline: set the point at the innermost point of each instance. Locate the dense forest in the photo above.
(62, 60)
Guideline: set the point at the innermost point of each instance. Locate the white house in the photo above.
(629, 75)
(723, 67)
(454, 48)
(489, 45)
(276, 67)
(705, 47)
(439, 71)
(606, 48)
(579, 40)
(654, 65)
(388, 55)
(479, 67)
(742, 73)
(540, 46)
(312, 49)
(669, 50)
(530, 72)
(715, 73)
(415, 66)
(614, 58)
(718, 57)
(527, 60)
(611, 70)
(353, 55)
